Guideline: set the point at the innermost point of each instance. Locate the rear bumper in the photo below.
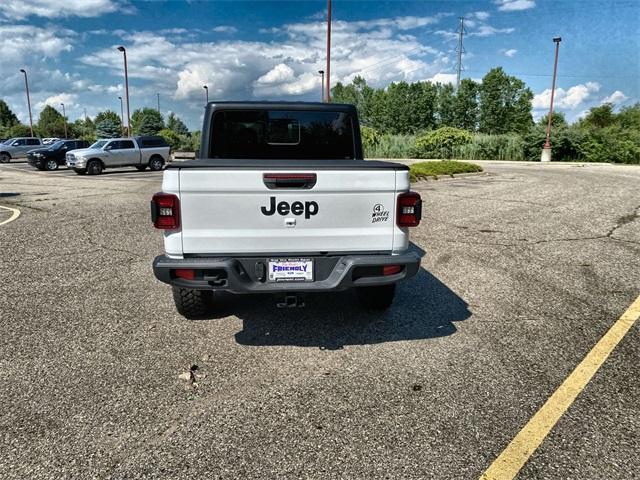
(247, 274)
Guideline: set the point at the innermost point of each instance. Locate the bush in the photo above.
(391, 146)
(491, 147)
(445, 167)
(441, 143)
(172, 138)
(370, 138)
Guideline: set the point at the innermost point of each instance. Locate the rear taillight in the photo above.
(165, 211)
(409, 209)
(185, 273)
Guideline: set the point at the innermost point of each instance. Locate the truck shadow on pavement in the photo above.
(424, 307)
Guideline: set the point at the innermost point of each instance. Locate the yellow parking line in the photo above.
(16, 214)
(513, 458)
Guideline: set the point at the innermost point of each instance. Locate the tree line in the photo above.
(499, 104)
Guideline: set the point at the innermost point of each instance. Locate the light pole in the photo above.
(64, 117)
(206, 92)
(84, 125)
(546, 150)
(121, 116)
(26, 85)
(158, 102)
(126, 89)
(328, 69)
(321, 72)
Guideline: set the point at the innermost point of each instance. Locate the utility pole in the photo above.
(158, 102)
(206, 93)
(460, 51)
(64, 117)
(26, 84)
(84, 126)
(327, 97)
(321, 72)
(546, 150)
(121, 116)
(126, 88)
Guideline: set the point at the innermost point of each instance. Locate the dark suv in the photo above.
(53, 155)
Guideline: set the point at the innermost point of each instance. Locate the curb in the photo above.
(453, 176)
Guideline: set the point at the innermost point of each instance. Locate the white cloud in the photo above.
(21, 9)
(568, 99)
(615, 97)
(482, 16)
(488, 30)
(69, 100)
(510, 53)
(445, 78)
(378, 49)
(278, 74)
(224, 29)
(20, 42)
(514, 5)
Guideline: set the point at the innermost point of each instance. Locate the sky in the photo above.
(272, 50)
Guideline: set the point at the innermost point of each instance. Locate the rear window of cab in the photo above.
(282, 134)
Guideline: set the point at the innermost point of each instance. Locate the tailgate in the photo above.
(257, 211)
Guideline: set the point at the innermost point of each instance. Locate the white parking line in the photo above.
(15, 214)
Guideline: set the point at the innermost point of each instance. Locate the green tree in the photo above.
(505, 104)
(441, 143)
(629, 117)
(19, 130)
(7, 117)
(108, 128)
(172, 138)
(446, 101)
(176, 125)
(50, 123)
(557, 121)
(152, 119)
(600, 117)
(107, 115)
(465, 106)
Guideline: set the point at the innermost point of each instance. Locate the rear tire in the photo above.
(5, 158)
(192, 304)
(94, 167)
(376, 298)
(155, 164)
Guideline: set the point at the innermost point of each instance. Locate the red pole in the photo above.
(328, 80)
(126, 89)
(26, 85)
(547, 143)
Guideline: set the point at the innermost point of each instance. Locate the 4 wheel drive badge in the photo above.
(379, 213)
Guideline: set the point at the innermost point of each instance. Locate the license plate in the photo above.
(291, 270)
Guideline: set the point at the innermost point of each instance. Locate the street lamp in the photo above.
(546, 150)
(26, 84)
(121, 116)
(328, 69)
(64, 117)
(321, 72)
(206, 90)
(158, 102)
(126, 89)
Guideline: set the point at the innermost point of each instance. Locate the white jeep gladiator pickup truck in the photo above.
(281, 201)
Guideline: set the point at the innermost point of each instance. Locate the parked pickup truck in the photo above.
(139, 152)
(51, 156)
(281, 201)
(16, 148)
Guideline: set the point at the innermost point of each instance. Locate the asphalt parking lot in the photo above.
(526, 269)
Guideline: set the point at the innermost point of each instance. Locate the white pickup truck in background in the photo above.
(281, 201)
(141, 152)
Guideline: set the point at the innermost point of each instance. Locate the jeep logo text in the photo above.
(296, 208)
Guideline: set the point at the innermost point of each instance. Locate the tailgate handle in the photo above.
(289, 180)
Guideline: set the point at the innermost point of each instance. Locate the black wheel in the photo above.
(376, 298)
(39, 166)
(94, 167)
(80, 171)
(5, 158)
(141, 168)
(156, 164)
(192, 304)
(51, 165)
